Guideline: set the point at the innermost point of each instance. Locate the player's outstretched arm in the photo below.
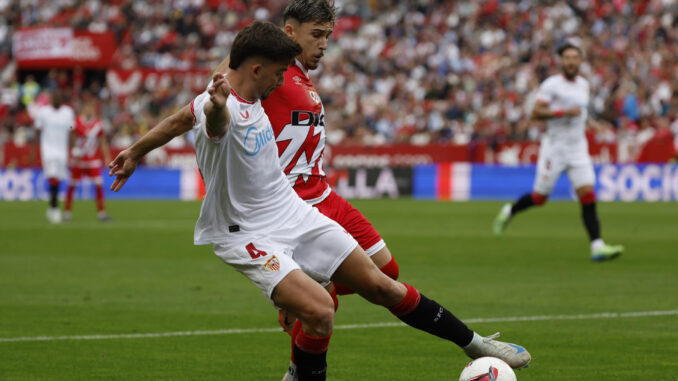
(126, 162)
(215, 110)
(542, 111)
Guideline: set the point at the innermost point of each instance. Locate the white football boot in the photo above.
(514, 355)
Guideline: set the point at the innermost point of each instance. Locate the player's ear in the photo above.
(255, 69)
(290, 30)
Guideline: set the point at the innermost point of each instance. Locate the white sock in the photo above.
(596, 244)
(475, 341)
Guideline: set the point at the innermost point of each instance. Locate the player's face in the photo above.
(271, 77)
(571, 59)
(313, 38)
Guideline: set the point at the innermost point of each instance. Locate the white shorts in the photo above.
(316, 245)
(54, 167)
(554, 159)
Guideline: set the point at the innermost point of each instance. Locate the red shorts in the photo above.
(350, 218)
(78, 172)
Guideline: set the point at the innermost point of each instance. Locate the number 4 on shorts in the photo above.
(254, 252)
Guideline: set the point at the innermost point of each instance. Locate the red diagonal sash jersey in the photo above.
(298, 119)
(87, 134)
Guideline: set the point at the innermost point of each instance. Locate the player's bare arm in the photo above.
(215, 110)
(542, 111)
(105, 149)
(126, 162)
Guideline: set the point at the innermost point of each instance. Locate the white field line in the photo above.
(601, 315)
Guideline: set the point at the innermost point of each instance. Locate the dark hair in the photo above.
(316, 11)
(262, 39)
(568, 45)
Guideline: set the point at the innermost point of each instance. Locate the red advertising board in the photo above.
(43, 48)
(400, 155)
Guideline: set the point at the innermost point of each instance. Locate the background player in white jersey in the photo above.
(53, 123)
(89, 144)
(562, 101)
(259, 225)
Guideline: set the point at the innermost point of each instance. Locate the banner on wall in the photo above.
(461, 181)
(371, 182)
(147, 183)
(46, 48)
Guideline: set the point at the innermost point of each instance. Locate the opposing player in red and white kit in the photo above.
(259, 225)
(89, 143)
(53, 123)
(562, 101)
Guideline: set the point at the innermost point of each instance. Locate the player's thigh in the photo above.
(302, 296)
(263, 261)
(549, 167)
(359, 273)
(54, 167)
(321, 245)
(76, 174)
(93, 173)
(582, 175)
(351, 219)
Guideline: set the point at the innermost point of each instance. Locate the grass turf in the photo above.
(141, 274)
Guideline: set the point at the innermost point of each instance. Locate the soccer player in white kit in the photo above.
(54, 123)
(258, 224)
(562, 101)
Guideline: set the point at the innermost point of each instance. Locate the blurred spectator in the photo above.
(396, 71)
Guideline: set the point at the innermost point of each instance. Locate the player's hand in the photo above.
(122, 167)
(219, 91)
(574, 111)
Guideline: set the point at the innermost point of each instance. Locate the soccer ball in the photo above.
(487, 369)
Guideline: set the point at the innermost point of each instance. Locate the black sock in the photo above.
(431, 317)
(53, 195)
(590, 217)
(310, 366)
(523, 203)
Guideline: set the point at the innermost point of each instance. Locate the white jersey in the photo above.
(55, 125)
(246, 191)
(562, 94)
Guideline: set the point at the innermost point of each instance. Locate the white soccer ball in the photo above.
(487, 369)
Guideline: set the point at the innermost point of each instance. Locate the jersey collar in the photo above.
(240, 99)
(301, 66)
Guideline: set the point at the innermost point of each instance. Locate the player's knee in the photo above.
(319, 319)
(539, 199)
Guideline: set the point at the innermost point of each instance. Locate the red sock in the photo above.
(409, 302)
(295, 331)
(100, 198)
(69, 198)
(312, 344)
(391, 269)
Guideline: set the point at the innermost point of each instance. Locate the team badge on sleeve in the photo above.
(273, 264)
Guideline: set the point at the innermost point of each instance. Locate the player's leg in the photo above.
(549, 169)
(54, 170)
(76, 175)
(314, 308)
(95, 175)
(582, 178)
(265, 262)
(338, 209)
(404, 301)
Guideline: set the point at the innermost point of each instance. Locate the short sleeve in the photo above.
(199, 119)
(545, 92)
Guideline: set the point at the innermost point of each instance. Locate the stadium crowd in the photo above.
(395, 71)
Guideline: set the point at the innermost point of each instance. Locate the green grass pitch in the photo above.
(141, 274)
